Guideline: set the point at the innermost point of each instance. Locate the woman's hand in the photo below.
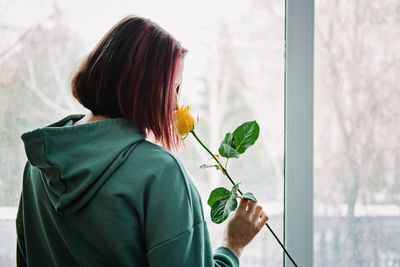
(244, 225)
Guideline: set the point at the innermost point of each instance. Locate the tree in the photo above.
(34, 91)
(357, 100)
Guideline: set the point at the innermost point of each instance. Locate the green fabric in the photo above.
(99, 194)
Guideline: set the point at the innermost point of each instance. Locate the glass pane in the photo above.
(233, 73)
(357, 153)
(237, 76)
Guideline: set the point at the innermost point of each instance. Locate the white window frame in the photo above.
(299, 92)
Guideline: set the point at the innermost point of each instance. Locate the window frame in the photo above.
(299, 108)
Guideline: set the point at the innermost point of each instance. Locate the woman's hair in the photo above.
(131, 73)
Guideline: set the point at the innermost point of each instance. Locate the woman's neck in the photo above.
(90, 118)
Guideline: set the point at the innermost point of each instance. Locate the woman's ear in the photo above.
(178, 91)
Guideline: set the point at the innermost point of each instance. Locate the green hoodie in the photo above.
(99, 194)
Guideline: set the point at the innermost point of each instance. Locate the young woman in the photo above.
(96, 193)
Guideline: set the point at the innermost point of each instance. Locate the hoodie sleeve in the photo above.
(21, 262)
(191, 248)
(19, 223)
(175, 231)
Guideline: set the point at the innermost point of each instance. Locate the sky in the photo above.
(92, 18)
(193, 23)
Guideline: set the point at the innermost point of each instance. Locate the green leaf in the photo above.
(218, 194)
(228, 139)
(234, 190)
(227, 147)
(205, 166)
(250, 196)
(246, 135)
(227, 151)
(221, 208)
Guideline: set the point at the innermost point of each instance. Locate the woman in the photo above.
(96, 193)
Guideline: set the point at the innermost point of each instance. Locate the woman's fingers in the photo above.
(243, 204)
(253, 212)
(251, 207)
(263, 220)
(257, 214)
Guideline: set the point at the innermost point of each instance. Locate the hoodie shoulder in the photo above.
(157, 166)
(148, 151)
(167, 192)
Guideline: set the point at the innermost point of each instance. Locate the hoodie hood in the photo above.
(76, 160)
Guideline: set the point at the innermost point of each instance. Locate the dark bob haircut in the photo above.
(131, 73)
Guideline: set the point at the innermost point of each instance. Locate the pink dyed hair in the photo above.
(131, 73)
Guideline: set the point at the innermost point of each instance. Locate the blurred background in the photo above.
(357, 131)
(234, 72)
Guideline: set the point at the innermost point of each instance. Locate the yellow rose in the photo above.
(184, 121)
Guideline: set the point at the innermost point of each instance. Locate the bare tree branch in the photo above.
(32, 85)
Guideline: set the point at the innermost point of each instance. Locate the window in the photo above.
(357, 153)
(341, 167)
(234, 72)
